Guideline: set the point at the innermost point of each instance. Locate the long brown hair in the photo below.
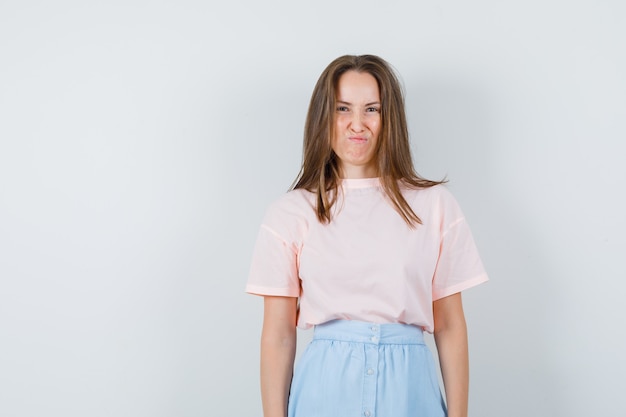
(320, 169)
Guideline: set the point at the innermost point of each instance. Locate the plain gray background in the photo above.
(140, 142)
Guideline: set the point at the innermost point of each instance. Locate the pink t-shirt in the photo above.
(367, 264)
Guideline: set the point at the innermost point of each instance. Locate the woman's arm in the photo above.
(451, 340)
(278, 348)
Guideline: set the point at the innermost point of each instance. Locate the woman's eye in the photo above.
(342, 108)
(372, 109)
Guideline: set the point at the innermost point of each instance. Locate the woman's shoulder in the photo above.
(292, 209)
(437, 192)
(436, 199)
(293, 201)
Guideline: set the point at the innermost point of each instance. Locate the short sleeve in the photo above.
(274, 265)
(459, 266)
(273, 270)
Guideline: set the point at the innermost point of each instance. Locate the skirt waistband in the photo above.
(372, 333)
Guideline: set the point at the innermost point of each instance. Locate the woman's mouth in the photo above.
(357, 139)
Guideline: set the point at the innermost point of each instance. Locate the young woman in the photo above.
(371, 255)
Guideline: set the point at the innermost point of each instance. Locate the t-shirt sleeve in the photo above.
(459, 266)
(274, 265)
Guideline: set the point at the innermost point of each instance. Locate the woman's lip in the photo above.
(358, 139)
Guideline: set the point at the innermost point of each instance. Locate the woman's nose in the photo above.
(356, 124)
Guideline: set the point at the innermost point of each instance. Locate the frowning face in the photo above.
(357, 125)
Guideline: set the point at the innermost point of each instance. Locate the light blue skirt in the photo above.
(357, 369)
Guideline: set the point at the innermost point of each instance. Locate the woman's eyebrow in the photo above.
(366, 104)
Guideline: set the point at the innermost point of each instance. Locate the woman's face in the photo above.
(357, 125)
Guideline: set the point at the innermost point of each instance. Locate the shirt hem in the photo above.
(445, 292)
(279, 292)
